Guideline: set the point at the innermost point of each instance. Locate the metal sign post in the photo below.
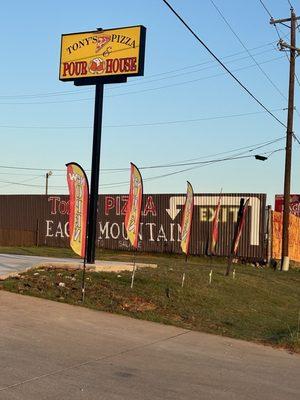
(92, 217)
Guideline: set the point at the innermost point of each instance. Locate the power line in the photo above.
(198, 164)
(258, 65)
(251, 147)
(123, 183)
(132, 125)
(140, 81)
(296, 138)
(264, 6)
(191, 81)
(246, 49)
(23, 183)
(142, 90)
(150, 89)
(26, 184)
(191, 160)
(118, 184)
(194, 166)
(222, 64)
(196, 160)
(19, 174)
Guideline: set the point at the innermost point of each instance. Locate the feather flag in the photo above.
(215, 228)
(79, 198)
(134, 206)
(187, 217)
(240, 224)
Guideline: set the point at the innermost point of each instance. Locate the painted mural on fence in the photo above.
(294, 236)
(45, 218)
(294, 203)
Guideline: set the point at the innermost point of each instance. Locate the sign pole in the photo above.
(85, 258)
(93, 206)
(83, 281)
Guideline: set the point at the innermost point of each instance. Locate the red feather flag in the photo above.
(240, 224)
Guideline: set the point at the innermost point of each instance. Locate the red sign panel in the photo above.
(294, 204)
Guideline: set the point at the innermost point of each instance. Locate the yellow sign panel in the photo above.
(112, 52)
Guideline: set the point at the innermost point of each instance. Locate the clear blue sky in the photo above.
(30, 48)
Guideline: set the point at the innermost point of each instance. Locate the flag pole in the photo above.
(133, 270)
(229, 265)
(184, 270)
(83, 281)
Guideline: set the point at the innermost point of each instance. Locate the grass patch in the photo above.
(260, 305)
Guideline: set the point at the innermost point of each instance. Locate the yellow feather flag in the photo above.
(134, 206)
(79, 198)
(187, 217)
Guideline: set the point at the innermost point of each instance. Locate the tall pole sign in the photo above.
(98, 58)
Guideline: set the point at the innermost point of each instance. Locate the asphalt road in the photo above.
(60, 352)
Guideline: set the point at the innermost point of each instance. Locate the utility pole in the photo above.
(47, 178)
(289, 135)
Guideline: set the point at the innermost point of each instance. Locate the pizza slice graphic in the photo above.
(102, 41)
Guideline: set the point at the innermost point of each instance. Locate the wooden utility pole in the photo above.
(289, 135)
(47, 179)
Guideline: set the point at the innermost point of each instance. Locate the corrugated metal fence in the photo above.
(42, 220)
